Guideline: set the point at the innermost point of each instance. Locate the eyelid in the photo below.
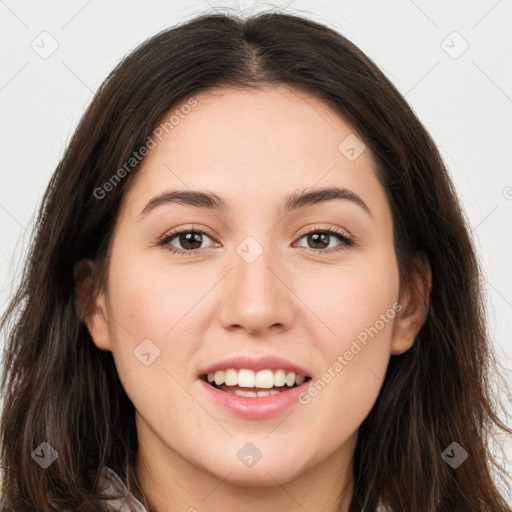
(301, 233)
(347, 240)
(325, 227)
(191, 227)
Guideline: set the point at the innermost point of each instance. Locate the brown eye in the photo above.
(321, 239)
(189, 240)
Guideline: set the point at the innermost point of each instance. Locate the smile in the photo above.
(246, 382)
(253, 395)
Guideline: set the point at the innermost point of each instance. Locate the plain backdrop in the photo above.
(451, 60)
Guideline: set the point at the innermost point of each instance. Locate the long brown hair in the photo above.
(60, 389)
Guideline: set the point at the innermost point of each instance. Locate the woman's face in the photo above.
(265, 280)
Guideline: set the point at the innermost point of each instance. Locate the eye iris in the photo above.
(315, 237)
(190, 237)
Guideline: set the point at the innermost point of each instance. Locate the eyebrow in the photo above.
(211, 201)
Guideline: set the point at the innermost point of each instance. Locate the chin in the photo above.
(273, 471)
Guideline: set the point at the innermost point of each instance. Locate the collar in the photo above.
(110, 485)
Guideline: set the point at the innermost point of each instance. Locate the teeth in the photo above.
(253, 394)
(245, 378)
(279, 378)
(264, 379)
(219, 377)
(290, 379)
(231, 377)
(245, 393)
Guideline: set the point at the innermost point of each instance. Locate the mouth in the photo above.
(247, 383)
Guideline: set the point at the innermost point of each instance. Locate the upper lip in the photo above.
(255, 364)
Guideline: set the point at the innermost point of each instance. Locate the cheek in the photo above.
(357, 307)
(153, 302)
(350, 299)
(154, 325)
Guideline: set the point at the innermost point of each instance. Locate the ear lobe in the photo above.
(415, 300)
(92, 304)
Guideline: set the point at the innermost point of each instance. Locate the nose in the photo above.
(258, 296)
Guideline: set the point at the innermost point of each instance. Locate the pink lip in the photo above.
(259, 407)
(255, 364)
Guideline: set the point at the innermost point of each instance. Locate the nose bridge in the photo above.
(256, 298)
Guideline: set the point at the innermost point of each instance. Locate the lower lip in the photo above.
(258, 407)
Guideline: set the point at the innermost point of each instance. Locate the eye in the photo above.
(189, 239)
(321, 239)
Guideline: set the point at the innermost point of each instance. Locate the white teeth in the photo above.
(264, 379)
(290, 379)
(231, 377)
(253, 394)
(279, 378)
(245, 378)
(244, 393)
(219, 377)
(299, 380)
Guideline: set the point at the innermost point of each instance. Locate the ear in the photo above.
(92, 303)
(415, 300)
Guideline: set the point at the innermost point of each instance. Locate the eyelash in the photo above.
(346, 240)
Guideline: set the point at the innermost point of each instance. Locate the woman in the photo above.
(252, 286)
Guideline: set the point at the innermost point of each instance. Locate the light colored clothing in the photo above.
(111, 484)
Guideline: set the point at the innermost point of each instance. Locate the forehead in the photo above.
(253, 145)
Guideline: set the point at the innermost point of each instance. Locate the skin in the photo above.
(252, 148)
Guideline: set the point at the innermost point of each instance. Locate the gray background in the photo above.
(462, 95)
